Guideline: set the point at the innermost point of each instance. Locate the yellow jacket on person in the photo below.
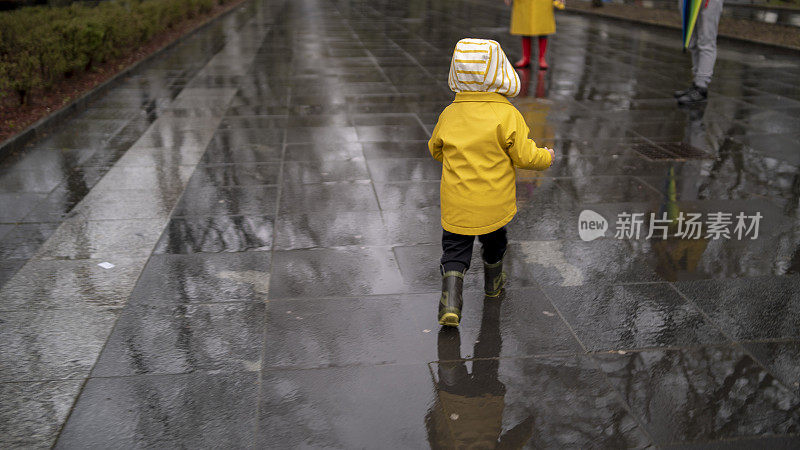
(532, 18)
(479, 139)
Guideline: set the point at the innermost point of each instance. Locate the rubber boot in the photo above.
(452, 300)
(494, 279)
(526, 53)
(542, 52)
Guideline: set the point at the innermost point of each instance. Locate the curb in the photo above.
(43, 126)
(673, 27)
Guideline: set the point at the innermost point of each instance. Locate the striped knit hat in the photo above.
(479, 65)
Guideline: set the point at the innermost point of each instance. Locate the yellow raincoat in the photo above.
(533, 18)
(479, 138)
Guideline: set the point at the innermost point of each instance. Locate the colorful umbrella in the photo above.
(691, 8)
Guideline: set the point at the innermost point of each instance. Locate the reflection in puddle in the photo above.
(468, 411)
(550, 254)
(259, 280)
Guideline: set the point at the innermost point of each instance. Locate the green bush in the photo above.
(41, 45)
(20, 75)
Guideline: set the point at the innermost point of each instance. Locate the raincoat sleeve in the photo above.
(435, 143)
(523, 151)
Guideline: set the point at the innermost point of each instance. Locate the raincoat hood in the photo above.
(479, 65)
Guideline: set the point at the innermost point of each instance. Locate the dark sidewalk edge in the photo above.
(673, 27)
(46, 124)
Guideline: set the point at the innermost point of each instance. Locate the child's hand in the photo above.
(508, 2)
(552, 155)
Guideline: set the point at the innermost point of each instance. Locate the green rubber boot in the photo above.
(494, 279)
(451, 301)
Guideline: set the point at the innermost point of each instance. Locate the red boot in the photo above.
(542, 51)
(526, 53)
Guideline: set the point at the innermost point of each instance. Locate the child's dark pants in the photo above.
(457, 249)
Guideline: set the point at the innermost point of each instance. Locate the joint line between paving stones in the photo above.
(733, 341)
(263, 354)
(369, 171)
(640, 180)
(600, 370)
(374, 190)
(116, 321)
(361, 364)
(433, 377)
(371, 56)
(789, 340)
(734, 439)
(442, 83)
(559, 354)
(121, 307)
(209, 371)
(138, 277)
(385, 77)
(561, 316)
(621, 398)
(349, 117)
(77, 396)
(401, 49)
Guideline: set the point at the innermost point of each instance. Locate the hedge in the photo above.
(41, 45)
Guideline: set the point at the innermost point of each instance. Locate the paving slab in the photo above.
(661, 387)
(164, 411)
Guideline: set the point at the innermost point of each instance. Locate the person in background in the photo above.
(532, 18)
(703, 48)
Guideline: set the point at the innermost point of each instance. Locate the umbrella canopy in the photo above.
(691, 8)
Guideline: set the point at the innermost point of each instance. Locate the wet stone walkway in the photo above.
(268, 212)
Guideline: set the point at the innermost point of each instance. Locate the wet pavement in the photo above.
(264, 193)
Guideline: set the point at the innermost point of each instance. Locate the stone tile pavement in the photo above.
(266, 198)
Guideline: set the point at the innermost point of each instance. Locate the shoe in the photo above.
(683, 92)
(452, 300)
(494, 279)
(696, 94)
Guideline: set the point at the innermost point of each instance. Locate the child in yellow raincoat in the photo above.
(532, 18)
(479, 138)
